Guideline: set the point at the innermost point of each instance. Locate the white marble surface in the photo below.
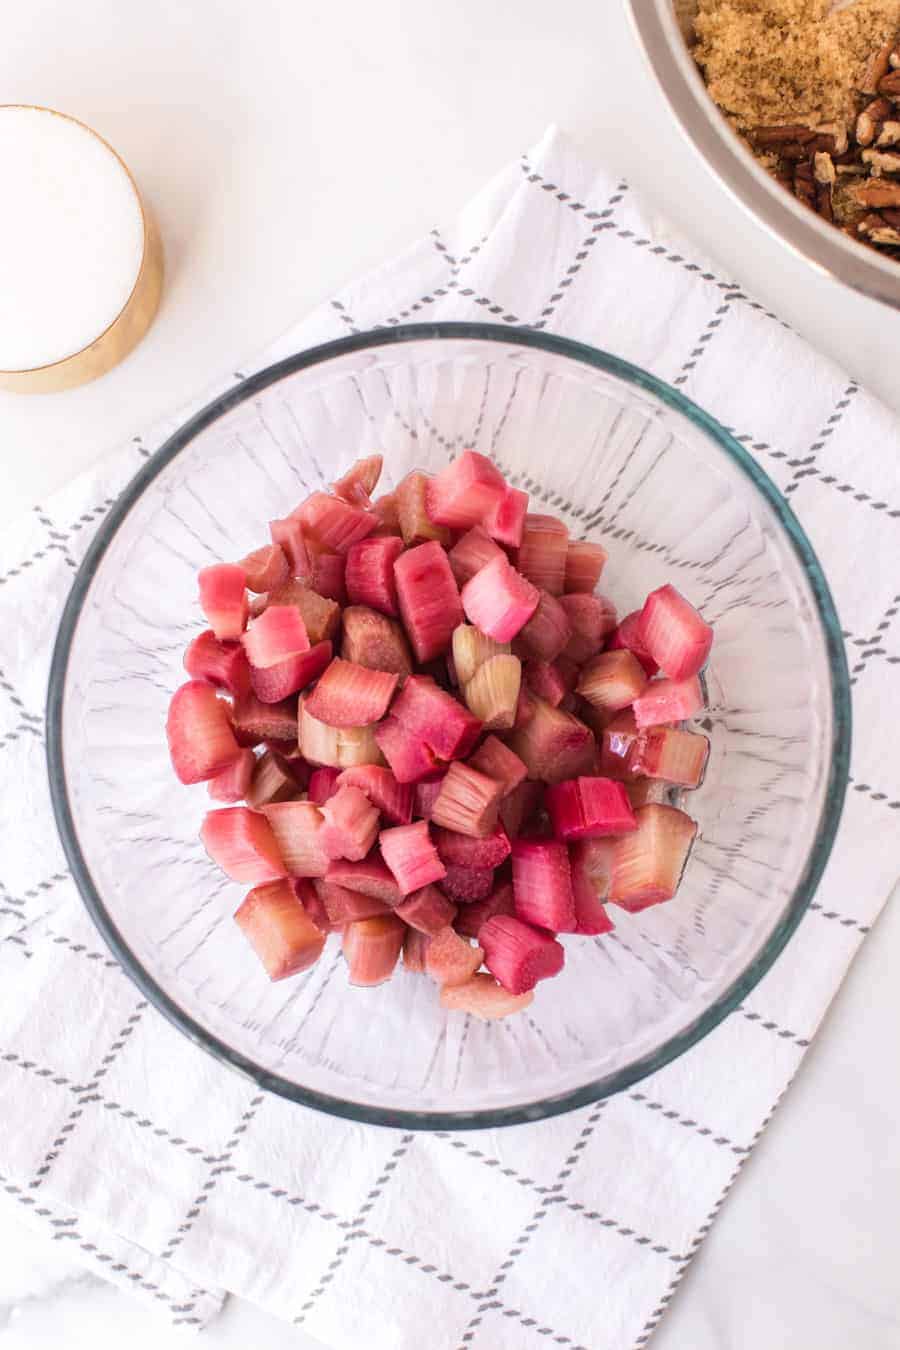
(286, 147)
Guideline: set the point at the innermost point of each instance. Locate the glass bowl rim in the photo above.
(707, 1020)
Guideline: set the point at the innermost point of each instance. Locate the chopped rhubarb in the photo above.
(425, 794)
(199, 731)
(470, 649)
(335, 523)
(279, 929)
(546, 680)
(542, 552)
(360, 481)
(592, 618)
(410, 758)
(668, 701)
(465, 492)
(349, 695)
(542, 884)
(346, 906)
(467, 802)
(329, 572)
(289, 536)
(265, 568)
(483, 997)
(241, 842)
(593, 858)
(278, 633)
(429, 599)
(272, 684)
(304, 889)
(499, 762)
(473, 551)
(467, 884)
(349, 825)
(223, 664)
(342, 747)
(272, 781)
(292, 762)
(519, 806)
(372, 639)
(584, 564)
(451, 959)
(415, 524)
(411, 856)
(591, 915)
(464, 850)
(232, 784)
(673, 755)
(471, 917)
(387, 510)
(588, 808)
(223, 599)
(372, 948)
(415, 945)
(371, 877)
(643, 791)
(394, 800)
(554, 745)
(647, 865)
(255, 721)
(427, 711)
(429, 910)
(498, 600)
(628, 636)
(506, 519)
(370, 573)
(517, 954)
(320, 615)
(546, 632)
(323, 783)
(492, 694)
(612, 681)
(618, 744)
(674, 634)
(297, 827)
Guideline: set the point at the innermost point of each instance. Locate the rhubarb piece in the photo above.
(428, 910)
(473, 551)
(668, 701)
(584, 564)
(554, 745)
(588, 808)
(277, 634)
(643, 791)
(628, 636)
(329, 576)
(618, 744)
(297, 827)
(464, 850)
(335, 523)
(428, 598)
(450, 959)
(360, 481)
(467, 802)
(411, 856)
(492, 694)
(415, 524)
(674, 634)
(320, 615)
(323, 783)
(542, 552)
(265, 568)
(591, 916)
(592, 618)
(370, 877)
(241, 842)
(546, 633)
(349, 695)
(498, 600)
(272, 781)
(342, 747)
(394, 800)
(410, 758)
(349, 825)
(545, 679)
(198, 727)
(647, 865)
(415, 945)
(497, 761)
(519, 955)
(542, 884)
(346, 906)
(425, 794)
(676, 756)
(467, 884)
(304, 889)
(279, 929)
(222, 664)
(525, 708)
(471, 917)
(519, 806)
(386, 508)
(223, 599)
(483, 997)
(612, 681)
(272, 684)
(232, 784)
(255, 721)
(427, 711)
(372, 948)
(289, 536)
(370, 573)
(593, 858)
(471, 649)
(506, 519)
(371, 639)
(465, 492)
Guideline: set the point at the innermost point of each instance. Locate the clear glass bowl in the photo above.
(622, 459)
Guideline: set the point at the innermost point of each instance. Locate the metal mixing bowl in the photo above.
(664, 30)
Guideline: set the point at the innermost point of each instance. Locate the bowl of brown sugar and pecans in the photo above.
(795, 104)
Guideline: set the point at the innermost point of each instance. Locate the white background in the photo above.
(286, 146)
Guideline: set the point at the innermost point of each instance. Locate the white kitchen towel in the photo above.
(181, 1179)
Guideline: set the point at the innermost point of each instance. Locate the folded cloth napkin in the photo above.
(181, 1180)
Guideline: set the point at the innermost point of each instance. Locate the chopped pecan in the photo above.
(775, 137)
(879, 231)
(882, 162)
(890, 85)
(878, 65)
(838, 135)
(889, 134)
(878, 192)
(804, 185)
(868, 124)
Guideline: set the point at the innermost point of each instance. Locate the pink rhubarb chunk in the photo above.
(223, 664)
(279, 930)
(429, 910)
(272, 684)
(372, 949)
(465, 492)
(278, 633)
(297, 827)
(542, 552)
(411, 856)
(349, 825)
(497, 761)
(394, 800)
(232, 784)
(471, 917)
(673, 755)
(369, 575)
(506, 520)
(483, 997)
(553, 744)
(429, 712)
(588, 808)
(348, 695)
(243, 844)
(335, 523)
(370, 877)
(647, 865)
(468, 801)
(488, 851)
(467, 884)
(584, 564)
(360, 481)
(627, 636)
(323, 783)
(674, 634)
(223, 599)
(542, 884)
(517, 954)
(410, 758)
(668, 701)
(265, 568)
(592, 618)
(450, 959)
(498, 600)
(473, 551)
(612, 681)
(199, 731)
(429, 599)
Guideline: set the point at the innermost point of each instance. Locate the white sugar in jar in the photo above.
(80, 259)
